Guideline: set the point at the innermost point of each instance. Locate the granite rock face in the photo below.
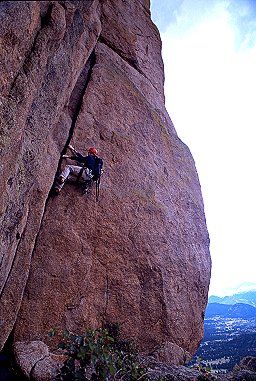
(90, 73)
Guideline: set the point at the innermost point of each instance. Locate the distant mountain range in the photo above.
(238, 310)
(229, 330)
(248, 297)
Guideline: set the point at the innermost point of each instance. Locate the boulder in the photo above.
(36, 362)
(28, 354)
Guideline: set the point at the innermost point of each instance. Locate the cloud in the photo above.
(243, 18)
(164, 12)
(184, 15)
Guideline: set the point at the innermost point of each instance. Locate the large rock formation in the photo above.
(91, 73)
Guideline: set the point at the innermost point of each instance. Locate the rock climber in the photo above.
(88, 168)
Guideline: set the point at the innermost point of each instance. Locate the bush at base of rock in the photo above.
(100, 355)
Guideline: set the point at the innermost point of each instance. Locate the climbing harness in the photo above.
(88, 184)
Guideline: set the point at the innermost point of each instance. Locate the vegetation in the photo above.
(205, 371)
(100, 355)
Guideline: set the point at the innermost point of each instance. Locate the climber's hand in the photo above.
(72, 148)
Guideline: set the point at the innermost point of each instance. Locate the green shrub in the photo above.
(205, 371)
(100, 355)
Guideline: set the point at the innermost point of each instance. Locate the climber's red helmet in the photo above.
(93, 151)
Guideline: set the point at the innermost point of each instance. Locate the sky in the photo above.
(209, 54)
